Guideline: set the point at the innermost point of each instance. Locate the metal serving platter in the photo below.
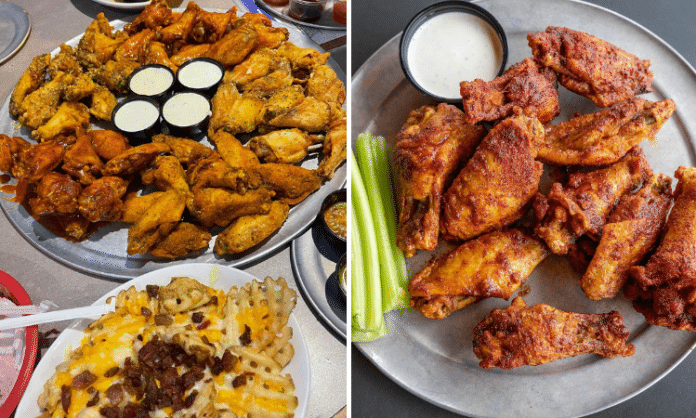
(104, 253)
(434, 359)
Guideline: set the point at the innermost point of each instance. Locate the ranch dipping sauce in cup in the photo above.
(451, 42)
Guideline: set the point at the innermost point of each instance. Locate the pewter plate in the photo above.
(105, 253)
(14, 29)
(434, 359)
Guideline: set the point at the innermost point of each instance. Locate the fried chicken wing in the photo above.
(602, 138)
(582, 205)
(155, 15)
(64, 62)
(308, 114)
(234, 46)
(180, 29)
(429, 148)
(499, 180)
(215, 206)
(32, 78)
(268, 35)
(189, 52)
(135, 159)
(233, 152)
(101, 200)
(664, 290)
(334, 150)
(114, 74)
(186, 150)
(248, 231)
(156, 53)
(41, 104)
(134, 206)
(257, 65)
(493, 265)
(590, 66)
(302, 59)
(71, 119)
(38, 160)
(103, 103)
(185, 238)
(157, 222)
(99, 43)
(82, 162)
(234, 112)
(291, 183)
(522, 335)
(56, 193)
(287, 146)
(215, 172)
(107, 143)
(134, 48)
(630, 233)
(210, 26)
(525, 88)
(11, 149)
(167, 174)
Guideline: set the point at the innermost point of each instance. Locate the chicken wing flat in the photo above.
(334, 149)
(525, 88)
(291, 183)
(287, 146)
(582, 205)
(522, 335)
(248, 231)
(664, 290)
(31, 80)
(429, 148)
(101, 200)
(81, 161)
(493, 265)
(135, 159)
(214, 206)
(184, 239)
(155, 224)
(602, 138)
(108, 144)
(234, 112)
(630, 233)
(493, 190)
(590, 66)
(71, 119)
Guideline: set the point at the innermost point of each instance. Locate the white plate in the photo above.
(219, 277)
(434, 359)
(105, 252)
(123, 5)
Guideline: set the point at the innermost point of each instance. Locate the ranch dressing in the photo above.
(186, 109)
(136, 116)
(199, 75)
(450, 48)
(151, 81)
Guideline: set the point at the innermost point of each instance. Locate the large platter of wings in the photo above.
(486, 346)
(247, 185)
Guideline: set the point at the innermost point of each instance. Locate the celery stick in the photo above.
(373, 159)
(368, 243)
(361, 336)
(357, 277)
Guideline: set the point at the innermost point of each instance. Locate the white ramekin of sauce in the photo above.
(186, 113)
(137, 117)
(152, 80)
(450, 42)
(200, 74)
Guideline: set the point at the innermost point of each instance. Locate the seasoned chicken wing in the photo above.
(334, 150)
(307, 113)
(291, 183)
(135, 159)
(590, 66)
(189, 52)
(103, 103)
(234, 112)
(215, 206)
(233, 152)
(524, 335)
(285, 146)
(582, 205)
(32, 78)
(493, 265)
(184, 239)
(64, 62)
(167, 174)
(82, 162)
(429, 148)
(248, 231)
(114, 74)
(186, 150)
(525, 88)
(268, 35)
(630, 233)
(108, 144)
(101, 200)
(156, 53)
(134, 206)
(302, 59)
(602, 138)
(157, 222)
(257, 65)
(499, 180)
(134, 48)
(234, 46)
(664, 290)
(181, 28)
(99, 43)
(71, 119)
(215, 172)
(41, 104)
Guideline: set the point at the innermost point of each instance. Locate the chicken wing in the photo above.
(524, 335)
(334, 150)
(114, 74)
(134, 48)
(285, 146)
(108, 144)
(233, 111)
(233, 152)
(302, 59)
(184, 239)
(525, 88)
(429, 148)
(157, 222)
(590, 66)
(630, 233)
(215, 172)
(56, 193)
(103, 103)
(493, 265)
(180, 29)
(71, 119)
(210, 26)
(186, 150)
(134, 206)
(234, 46)
(248, 231)
(155, 15)
(38, 160)
(602, 138)
(291, 183)
(215, 206)
(156, 53)
(664, 290)
(302, 112)
(82, 162)
(11, 149)
(167, 174)
(582, 205)
(135, 159)
(41, 104)
(499, 180)
(32, 78)
(99, 43)
(101, 200)
(64, 62)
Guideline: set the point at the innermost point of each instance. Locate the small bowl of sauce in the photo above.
(201, 75)
(334, 213)
(450, 42)
(186, 113)
(306, 10)
(152, 80)
(137, 117)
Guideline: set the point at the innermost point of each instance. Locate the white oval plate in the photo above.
(123, 5)
(216, 276)
(434, 359)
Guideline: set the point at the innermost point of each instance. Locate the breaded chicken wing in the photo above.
(524, 335)
(493, 265)
(525, 88)
(32, 78)
(184, 239)
(157, 222)
(602, 138)
(248, 231)
(430, 147)
(582, 205)
(590, 66)
(493, 190)
(630, 233)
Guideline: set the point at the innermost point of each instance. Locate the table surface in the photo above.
(372, 393)
(54, 22)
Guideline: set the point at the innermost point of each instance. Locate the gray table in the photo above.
(55, 22)
(374, 394)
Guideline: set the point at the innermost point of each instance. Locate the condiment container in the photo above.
(340, 11)
(186, 113)
(450, 42)
(333, 216)
(202, 75)
(342, 274)
(152, 80)
(306, 10)
(137, 117)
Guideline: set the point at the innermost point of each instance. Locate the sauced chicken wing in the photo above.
(233, 111)
(210, 26)
(582, 205)
(184, 239)
(71, 119)
(590, 66)
(234, 46)
(155, 15)
(493, 265)
(248, 231)
(334, 150)
(38, 160)
(664, 290)
(32, 78)
(135, 159)
(11, 149)
(82, 162)
(286, 146)
(99, 43)
(56, 193)
(499, 180)
(524, 335)
(630, 233)
(189, 52)
(156, 53)
(215, 206)
(108, 144)
(602, 138)
(181, 28)
(157, 222)
(291, 183)
(525, 88)
(134, 48)
(428, 149)
(101, 200)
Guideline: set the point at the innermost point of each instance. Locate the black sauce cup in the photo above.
(125, 115)
(435, 10)
(208, 89)
(145, 74)
(179, 127)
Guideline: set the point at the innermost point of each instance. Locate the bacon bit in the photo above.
(197, 317)
(152, 290)
(145, 311)
(229, 360)
(203, 325)
(245, 338)
(239, 381)
(163, 319)
(94, 400)
(65, 396)
(83, 380)
(112, 372)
